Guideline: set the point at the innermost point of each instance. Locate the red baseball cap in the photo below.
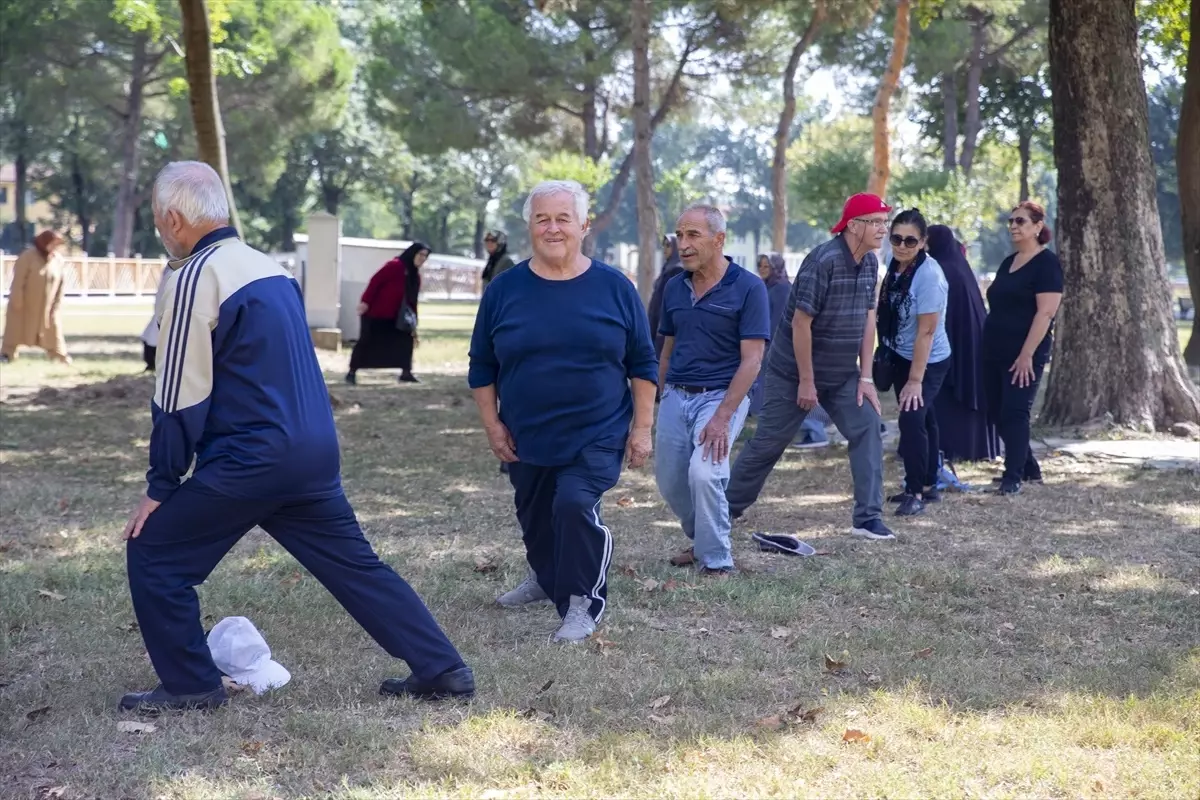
(857, 206)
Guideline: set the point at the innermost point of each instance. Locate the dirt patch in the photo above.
(123, 391)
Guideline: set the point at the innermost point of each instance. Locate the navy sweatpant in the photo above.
(188, 535)
(567, 545)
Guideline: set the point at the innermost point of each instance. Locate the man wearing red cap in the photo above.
(821, 353)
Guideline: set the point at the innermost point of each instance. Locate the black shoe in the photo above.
(351, 378)
(910, 506)
(459, 683)
(1027, 479)
(408, 377)
(159, 699)
(1009, 487)
(716, 572)
(898, 498)
(931, 495)
(874, 530)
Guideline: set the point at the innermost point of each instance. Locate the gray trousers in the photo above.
(778, 422)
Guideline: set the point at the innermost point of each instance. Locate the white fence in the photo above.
(84, 276)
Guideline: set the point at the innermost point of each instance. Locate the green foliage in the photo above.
(828, 162)
(1166, 23)
(562, 166)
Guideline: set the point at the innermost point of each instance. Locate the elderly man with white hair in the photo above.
(563, 371)
(239, 390)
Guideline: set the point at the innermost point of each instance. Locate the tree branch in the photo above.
(990, 59)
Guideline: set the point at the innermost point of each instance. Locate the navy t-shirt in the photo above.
(561, 354)
(1012, 305)
(709, 331)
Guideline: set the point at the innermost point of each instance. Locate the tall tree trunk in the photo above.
(591, 135)
(1188, 160)
(480, 222)
(971, 121)
(202, 95)
(131, 133)
(881, 168)
(783, 133)
(647, 217)
(1118, 351)
(950, 120)
(21, 187)
(79, 187)
(1024, 147)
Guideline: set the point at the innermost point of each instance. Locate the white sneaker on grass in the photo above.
(578, 624)
(526, 593)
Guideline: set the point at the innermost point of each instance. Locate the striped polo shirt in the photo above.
(837, 293)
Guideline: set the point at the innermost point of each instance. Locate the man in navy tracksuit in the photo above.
(238, 388)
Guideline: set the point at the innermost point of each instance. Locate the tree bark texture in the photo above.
(202, 96)
(881, 167)
(647, 218)
(1117, 350)
(783, 133)
(1025, 148)
(949, 120)
(975, 58)
(1188, 160)
(125, 207)
(21, 187)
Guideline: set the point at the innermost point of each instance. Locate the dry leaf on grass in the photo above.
(536, 713)
(601, 645)
(37, 713)
(484, 564)
(625, 502)
(233, 687)
(925, 653)
(63, 503)
(546, 686)
(854, 735)
(780, 633)
(251, 748)
(667, 720)
(1008, 626)
(648, 584)
(834, 666)
(129, 726)
(659, 702)
(50, 792)
(871, 678)
(811, 714)
(49, 595)
(293, 579)
(773, 722)
(627, 569)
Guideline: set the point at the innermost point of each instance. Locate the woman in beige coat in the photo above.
(35, 301)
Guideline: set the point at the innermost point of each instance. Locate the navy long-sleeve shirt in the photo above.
(561, 354)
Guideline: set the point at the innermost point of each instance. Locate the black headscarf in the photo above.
(965, 314)
(895, 295)
(501, 240)
(412, 274)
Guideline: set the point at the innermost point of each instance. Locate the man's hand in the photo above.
(806, 395)
(639, 447)
(866, 391)
(501, 442)
(146, 507)
(715, 438)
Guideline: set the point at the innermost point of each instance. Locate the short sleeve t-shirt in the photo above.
(929, 292)
(1012, 305)
(708, 331)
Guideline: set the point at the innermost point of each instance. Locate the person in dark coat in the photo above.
(499, 259)
(964, 429)
(672, 266)
(381, 344)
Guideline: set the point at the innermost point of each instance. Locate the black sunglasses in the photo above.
(907, 241)
(1018, 221)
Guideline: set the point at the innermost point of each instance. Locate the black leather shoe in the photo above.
(459, 683)
(408, 377)
(159, 699)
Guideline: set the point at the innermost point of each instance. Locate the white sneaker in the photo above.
(526, 593)
(578, 623)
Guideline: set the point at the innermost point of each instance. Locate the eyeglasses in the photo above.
(907, 241)
(1018, 221)
(878, 223)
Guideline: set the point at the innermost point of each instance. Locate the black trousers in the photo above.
(188, 535)
(1009, 409)
(567, 545)
(920, 442)
(149, 353)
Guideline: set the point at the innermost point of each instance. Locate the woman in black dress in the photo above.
(1017, 335)
(387, 335)
(965, 432)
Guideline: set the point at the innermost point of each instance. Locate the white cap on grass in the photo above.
(241, 652)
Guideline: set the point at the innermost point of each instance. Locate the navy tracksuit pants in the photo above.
(567, 545)
(188, 535)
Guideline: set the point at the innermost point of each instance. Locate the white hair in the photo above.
(547, 188)
(712, 215)
(194, 190)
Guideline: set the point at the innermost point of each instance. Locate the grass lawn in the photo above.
(1046, 645)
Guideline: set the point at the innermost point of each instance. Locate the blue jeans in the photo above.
(693, 486)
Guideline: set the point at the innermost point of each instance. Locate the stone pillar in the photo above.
(323, 279)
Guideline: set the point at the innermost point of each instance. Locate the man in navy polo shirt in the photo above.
(715, 324)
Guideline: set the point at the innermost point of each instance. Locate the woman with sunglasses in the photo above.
(911, 323)
(1017, 334)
